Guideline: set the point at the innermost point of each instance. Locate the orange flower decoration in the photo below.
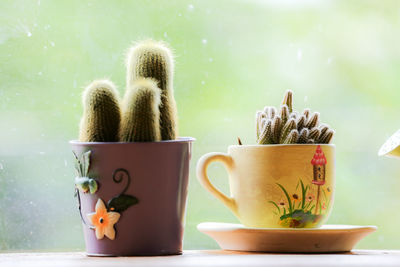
(296, 198)
(310, 198)
(104, 221)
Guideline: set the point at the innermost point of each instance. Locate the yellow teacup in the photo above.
(275, 186)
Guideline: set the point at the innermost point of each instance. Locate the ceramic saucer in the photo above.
(328, 238)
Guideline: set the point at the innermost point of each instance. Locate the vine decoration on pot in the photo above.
(105, 216)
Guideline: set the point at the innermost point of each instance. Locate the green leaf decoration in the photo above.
(122, 202)
(287, 196)
(92, 186)
(82, 183)
(273, 203)
(77, 165)
(82, 163)
(86, 184)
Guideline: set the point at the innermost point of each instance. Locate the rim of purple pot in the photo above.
(183, 139)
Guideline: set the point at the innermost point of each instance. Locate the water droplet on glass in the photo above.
(180, 15)
(329, 61)
(203, 82)
(29, 34)
(52, 44)
(40, 73)
(211, 59)
(190, 7)
(204, 41)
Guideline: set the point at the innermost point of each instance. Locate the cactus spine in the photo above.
(140, 112)
(101, 113)
(289, 127)
(154, 60)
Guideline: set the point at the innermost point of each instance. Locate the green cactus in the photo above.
(276, 129)
(303, 138)
(101, 113)
(284, 113)
(150, 59)
(140, 112)
(313, 120)
(301, 121)
(288, 100)
(290, 127)
(266, 136)
(306, 112)
(292, 137)
(287, 128)
(314, 133)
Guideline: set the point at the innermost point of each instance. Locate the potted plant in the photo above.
(132, 168)
(287, 179)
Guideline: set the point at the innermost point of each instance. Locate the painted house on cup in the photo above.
(319, 162)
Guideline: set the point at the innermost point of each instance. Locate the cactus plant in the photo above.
(149, 108)
(150, 59)
(101, 113)
(290, 127)
(140, 112)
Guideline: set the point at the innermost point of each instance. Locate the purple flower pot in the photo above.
(155, 177)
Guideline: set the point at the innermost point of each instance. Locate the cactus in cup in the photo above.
(101, 113)
(286, 126)
(148, 108)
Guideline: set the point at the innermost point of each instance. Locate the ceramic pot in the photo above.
(276, 186)
(138, 203)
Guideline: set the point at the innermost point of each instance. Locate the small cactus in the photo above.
(140, 112)
(149, 108)
(101, 113)
(290, 127)
(150, 59)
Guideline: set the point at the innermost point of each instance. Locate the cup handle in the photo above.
(202, 176)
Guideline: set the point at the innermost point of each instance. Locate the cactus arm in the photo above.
(306, 113)
(286, 129)
(154, 60)
(288, 100)
(276, 129)
(327, 138)
(101, 113)
(303, 136)
(284, 113)
(301, 121)
(266, 134)
(314, 133)
(292, 137)
(313, 121)
(140, 112)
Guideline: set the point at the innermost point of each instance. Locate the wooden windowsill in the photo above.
(206, 258)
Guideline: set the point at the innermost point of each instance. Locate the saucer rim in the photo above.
(222, 226)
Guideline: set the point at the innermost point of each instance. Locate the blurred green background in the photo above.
(233, 57)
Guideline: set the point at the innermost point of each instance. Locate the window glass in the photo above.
(233, 57)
